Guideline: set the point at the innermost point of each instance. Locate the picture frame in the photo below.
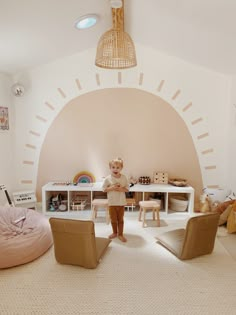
(4, 118)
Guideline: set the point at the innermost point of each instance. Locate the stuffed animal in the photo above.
(205, 203)
(132, 181)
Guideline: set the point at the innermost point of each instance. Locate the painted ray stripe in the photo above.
(187, 107)
(30, 146)
(34, 133)
(176, 94)
(26, 181)
(28, 162)
(78, 84)
(119, 78)
(98, 79)
(213, 186)
(63, 94)
(141, 79)
(210, 167)
(160, 85)
(204, 135)
(49, 106)
(196, 121)
(207, 151)
(41, 118)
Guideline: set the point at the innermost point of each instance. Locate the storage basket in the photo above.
(178, 203)
(179, 182)
(144, 180)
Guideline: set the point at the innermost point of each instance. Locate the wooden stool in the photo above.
(149, 205)
(100, 204)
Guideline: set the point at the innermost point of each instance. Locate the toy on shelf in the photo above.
(160, 178)
(179, 182)
(77, 204)
(57, 203)
(130, 203)
(61, 183)
(84, 177)
(132, 181)
(144, 180)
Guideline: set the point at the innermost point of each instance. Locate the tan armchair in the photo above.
(197, 239)
(75, 242)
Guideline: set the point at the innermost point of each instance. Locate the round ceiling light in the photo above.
(86, 21)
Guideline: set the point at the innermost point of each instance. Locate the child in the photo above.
(116, 185)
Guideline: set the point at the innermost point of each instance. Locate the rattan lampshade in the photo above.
(115, 49)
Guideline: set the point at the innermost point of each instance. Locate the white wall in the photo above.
(6, 138)
(232, 138)
(183, 84)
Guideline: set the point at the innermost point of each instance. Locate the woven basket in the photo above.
(178, 204)
(178, 182)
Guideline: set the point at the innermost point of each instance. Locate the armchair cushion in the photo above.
(197, 239)
(75, 242)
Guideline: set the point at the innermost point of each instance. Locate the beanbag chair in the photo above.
(25, 235)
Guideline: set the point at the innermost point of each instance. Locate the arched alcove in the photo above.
(138, 126)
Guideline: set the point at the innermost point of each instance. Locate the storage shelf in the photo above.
(69, 191)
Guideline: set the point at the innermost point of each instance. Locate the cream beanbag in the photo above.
(25, 235)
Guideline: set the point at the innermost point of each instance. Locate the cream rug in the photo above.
(139, 277)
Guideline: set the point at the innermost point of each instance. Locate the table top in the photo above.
(97, 186)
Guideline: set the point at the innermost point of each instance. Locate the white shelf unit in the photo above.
(167, 190)
(68, 191)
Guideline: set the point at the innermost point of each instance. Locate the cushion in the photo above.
(25, 235)
(197, 239)
(223, 206)
(231, 222)
(75, 242)
(224, 215)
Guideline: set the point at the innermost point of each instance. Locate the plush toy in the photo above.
(205, 203)
(132, 181)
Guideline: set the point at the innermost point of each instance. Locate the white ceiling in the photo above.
(37, 32)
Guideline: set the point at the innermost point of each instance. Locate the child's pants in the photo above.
(117, 219)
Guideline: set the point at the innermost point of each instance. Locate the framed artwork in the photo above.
(4, 118)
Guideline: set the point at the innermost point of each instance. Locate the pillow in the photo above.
(222, 206)
(224, 215)
(231, 222)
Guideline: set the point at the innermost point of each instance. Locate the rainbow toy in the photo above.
(84, 177)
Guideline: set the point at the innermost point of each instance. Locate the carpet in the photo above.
(137, 277)
(227, 240)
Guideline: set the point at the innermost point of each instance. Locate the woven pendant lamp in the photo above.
(115, 49)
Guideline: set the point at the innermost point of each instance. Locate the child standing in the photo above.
(116, 185)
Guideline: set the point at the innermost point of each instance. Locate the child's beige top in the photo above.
(116, 198)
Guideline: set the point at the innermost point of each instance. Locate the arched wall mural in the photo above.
(136, 125)
(175, 98)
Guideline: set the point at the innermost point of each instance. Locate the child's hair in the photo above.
(116, 161)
